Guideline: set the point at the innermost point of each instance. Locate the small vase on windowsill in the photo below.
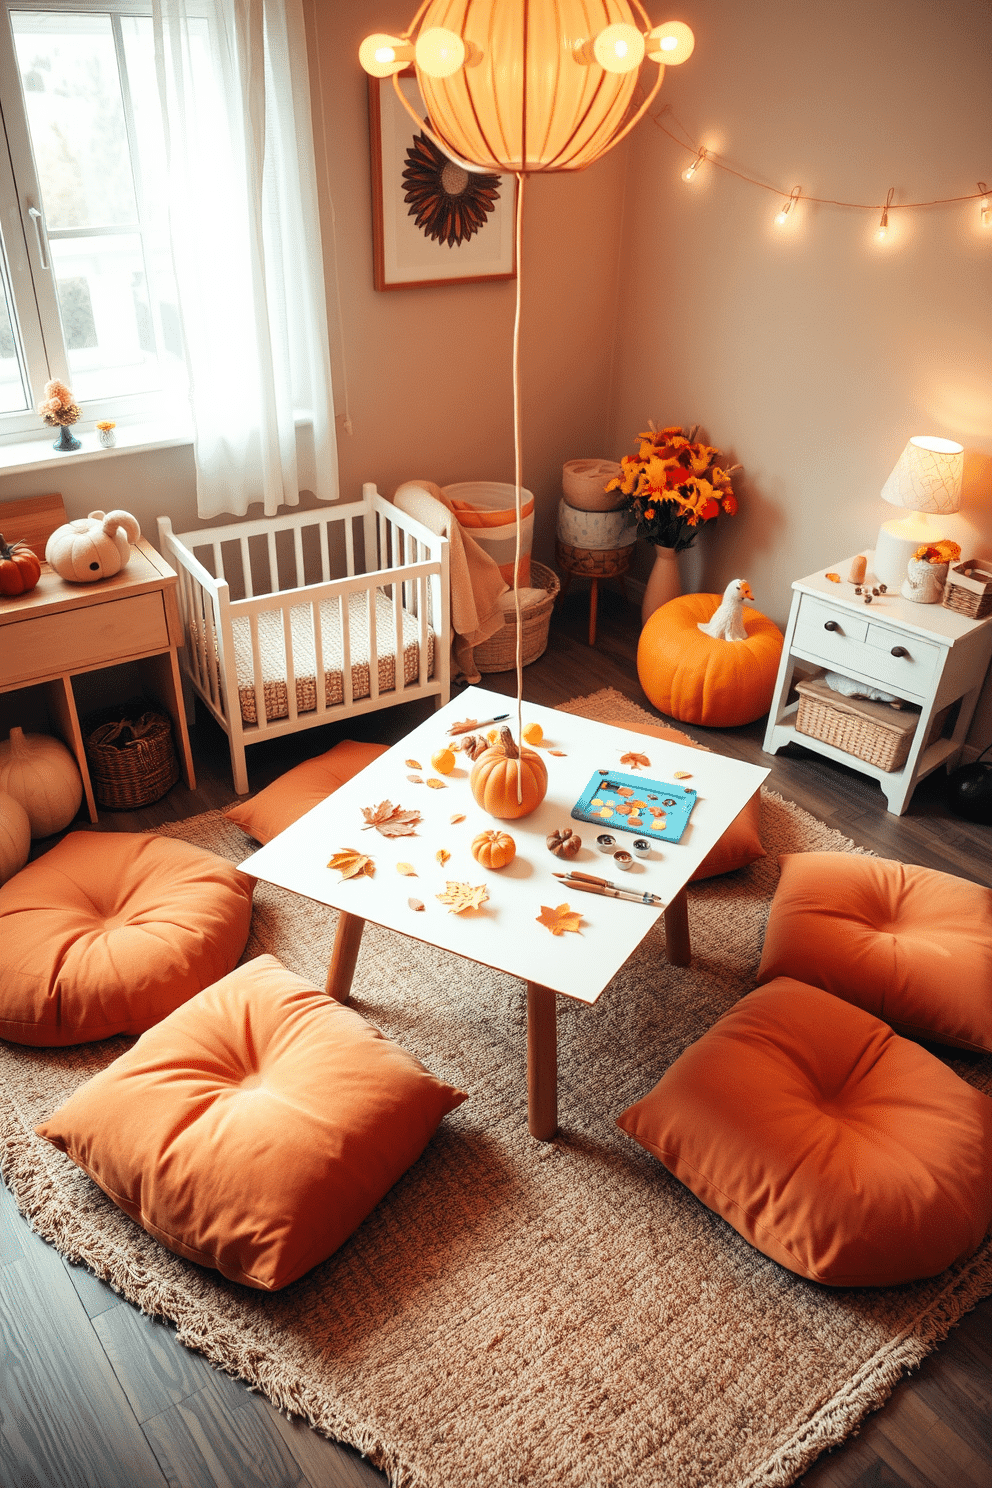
(664, 582)
(67, 441)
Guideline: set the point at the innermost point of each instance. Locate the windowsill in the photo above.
(38, 454)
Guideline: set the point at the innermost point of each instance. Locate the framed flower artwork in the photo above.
(433, 222)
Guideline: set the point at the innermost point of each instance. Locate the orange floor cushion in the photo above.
(109, 931)
(254, 1128)
(283, 802)
(848, 1154)
(741, 842)
(911, 945)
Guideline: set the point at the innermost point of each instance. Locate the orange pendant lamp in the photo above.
(527, 86)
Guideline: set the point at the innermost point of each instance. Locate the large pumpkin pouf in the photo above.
(846, 1153)
(698, 679)
(108, 932)
(256, 1127)
(911, 945)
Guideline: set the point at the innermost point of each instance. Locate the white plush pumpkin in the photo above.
(93, 547)
(15, 836)
(40, 773)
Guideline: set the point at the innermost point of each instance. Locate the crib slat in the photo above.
(325, 562)
(349, 546)
(370, 599)
(399, 674)
(261, 721)
(246, 569)
(348, 681)
(273, 562)
(292, 706)
(318, 657)
(218, 557)
(301, 575)
(422, 608)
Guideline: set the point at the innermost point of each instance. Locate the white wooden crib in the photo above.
(354, 595)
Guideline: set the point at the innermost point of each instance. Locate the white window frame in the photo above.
(25, 259)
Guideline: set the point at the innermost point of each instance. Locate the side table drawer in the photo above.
(855, 643)
(94, 635)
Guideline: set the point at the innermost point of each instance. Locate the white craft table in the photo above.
(505, 933)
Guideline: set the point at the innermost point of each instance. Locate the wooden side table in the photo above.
(594, 564)
(59, 631)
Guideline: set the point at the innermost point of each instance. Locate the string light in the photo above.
(787, 206)
(984, 210)
(693, 166)
(883, 226)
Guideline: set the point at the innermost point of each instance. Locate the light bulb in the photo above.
(619, 48)
(671, 43)
(984, 209)
(882, 231)
(781, 216)
(382, 55)
(693, 166)
(440, 52)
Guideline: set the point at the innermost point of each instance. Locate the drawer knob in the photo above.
(899, 651)
(830, 625)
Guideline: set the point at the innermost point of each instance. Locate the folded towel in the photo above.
(476, 582)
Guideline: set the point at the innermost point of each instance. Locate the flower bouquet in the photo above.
(672, 485)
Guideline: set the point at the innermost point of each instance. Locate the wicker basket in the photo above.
(969, 588)
(499, 653)
(874, 732)
(130, 755)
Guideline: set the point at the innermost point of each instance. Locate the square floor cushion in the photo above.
(283, 802)
(741, 842)
(256, 1127)
(109, 931)
(848, 1154)
(911, 945)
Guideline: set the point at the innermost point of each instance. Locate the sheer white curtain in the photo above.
(242, 199)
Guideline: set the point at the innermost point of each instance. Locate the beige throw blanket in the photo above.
(476, 582)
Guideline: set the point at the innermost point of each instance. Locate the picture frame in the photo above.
(471, 245)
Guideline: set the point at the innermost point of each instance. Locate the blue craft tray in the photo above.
(676, 801)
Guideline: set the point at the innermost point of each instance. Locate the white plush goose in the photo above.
(727, 623)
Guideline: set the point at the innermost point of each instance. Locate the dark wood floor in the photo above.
(93, 1395)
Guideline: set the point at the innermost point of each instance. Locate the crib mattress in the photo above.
(272, 648)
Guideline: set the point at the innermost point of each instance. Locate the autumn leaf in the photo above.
(559, 753)
(683, 774)
(436, 784)
(461, 896)
(413, 764)
(464, 727)
(416, 779)
(416, 903)
(407, 869)
(390, 820)
(458, 816)
(352, 864)
(635, 761)
(834, 578)
(442, 855)
(561, 919)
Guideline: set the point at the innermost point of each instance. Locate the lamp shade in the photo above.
(927, 476)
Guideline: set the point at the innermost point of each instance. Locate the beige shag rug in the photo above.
(516, 1312)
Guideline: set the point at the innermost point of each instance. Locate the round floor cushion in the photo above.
(847, 1153)
(692, 677)
(109, 931)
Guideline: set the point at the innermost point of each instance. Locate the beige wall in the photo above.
(812, 354)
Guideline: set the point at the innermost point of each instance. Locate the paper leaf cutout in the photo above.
(416, 903)
(559, 753)
(464, 726)
(683, 774)
(413, 764)
(458, 816)
(461, 896)
(416, 779)
(635, 761)
(407, 869)
(561, 919)
(352, 864)
(442, 855)
(436, 784)
(390, 820)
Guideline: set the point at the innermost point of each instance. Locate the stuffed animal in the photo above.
(93, 547)
(727, 623)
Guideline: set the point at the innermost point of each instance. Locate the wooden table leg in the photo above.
(593, 605)
(677, 942)
(542, 1062)
(347, 940)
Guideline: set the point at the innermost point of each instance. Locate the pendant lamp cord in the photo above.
(518, 481)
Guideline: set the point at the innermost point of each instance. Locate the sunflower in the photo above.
(449, 202)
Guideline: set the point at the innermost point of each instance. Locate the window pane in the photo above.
(12, 395)
(72, 94)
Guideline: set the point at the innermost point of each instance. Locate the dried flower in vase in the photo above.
(59, 409)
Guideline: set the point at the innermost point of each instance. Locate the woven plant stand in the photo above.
(130, 754)
(499, 653)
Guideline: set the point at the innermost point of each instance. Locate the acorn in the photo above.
(563, 843)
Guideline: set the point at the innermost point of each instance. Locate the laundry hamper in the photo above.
(499, 653)
(874, 732)
(130, 754)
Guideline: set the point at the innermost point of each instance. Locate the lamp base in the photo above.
(896, 543)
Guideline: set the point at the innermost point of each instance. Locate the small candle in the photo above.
(641, 846)
(605, 842)
(623, 859)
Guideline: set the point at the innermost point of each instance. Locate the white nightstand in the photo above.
(923, 653)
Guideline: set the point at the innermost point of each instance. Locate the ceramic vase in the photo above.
(66, 440)
(924, 581)
(663, 583)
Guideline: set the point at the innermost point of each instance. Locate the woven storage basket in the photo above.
(130, 754)
(499, 653)
(874, 732)
(969, 588)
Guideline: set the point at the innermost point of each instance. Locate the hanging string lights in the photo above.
(782, 215)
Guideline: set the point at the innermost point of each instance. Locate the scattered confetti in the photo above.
(461, 896)
(458, 816)
(417, 904)
(680, 775)
(407, 869)
(560, 919)
(352, 864)
(834, 578)
(436, 784)
(390, 820)
(558, 753)
(635, 761)
(413, 764)
(442, 855)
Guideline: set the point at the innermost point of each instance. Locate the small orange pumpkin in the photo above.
(698, 679)
(20, 568)
(509, 782)
(494, 849)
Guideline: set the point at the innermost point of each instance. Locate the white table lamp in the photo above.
(927, 482)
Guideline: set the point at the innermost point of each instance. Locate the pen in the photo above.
(466, 728)
(579, 879)
(651, 900)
